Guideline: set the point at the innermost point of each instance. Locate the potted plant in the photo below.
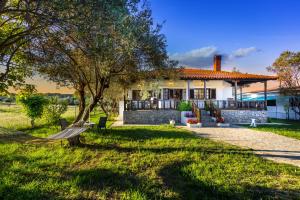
(221, 122)
(207, 108)
(172, 122)
(186, 111)
(193, 123)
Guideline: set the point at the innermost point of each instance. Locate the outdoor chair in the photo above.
(102, 124)
(63, 124)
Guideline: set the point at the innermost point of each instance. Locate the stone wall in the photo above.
(151, 116)
(244, 116)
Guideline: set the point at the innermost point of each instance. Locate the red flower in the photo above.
(220, 120)
(192, 121)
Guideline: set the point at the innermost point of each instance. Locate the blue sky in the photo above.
(249, 33)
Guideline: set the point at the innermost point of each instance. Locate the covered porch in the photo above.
(223, 94)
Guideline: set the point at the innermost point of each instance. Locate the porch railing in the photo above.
(173, 104)
(196, 110)
(151, 104)
(227, 104)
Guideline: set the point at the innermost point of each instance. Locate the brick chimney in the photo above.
(217, 63)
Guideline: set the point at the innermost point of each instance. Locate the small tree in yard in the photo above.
(54, 109)
(33, 105)
(287, 67)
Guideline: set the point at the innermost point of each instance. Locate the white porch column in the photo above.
(129, 94)
(161, 93)
(265, 95)
(187, 90)
(121, 110)
(205, 90)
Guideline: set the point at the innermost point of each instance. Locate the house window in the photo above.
(172, 93)
(136, 94)
(211, 93)
(199, 93)
(271, 102)
(165, 93)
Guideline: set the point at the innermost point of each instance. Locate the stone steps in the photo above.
(210, 124)
(206, 120)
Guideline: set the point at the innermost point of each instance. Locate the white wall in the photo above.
(278, 110)
(223, 89)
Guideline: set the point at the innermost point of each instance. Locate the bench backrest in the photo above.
(102, 122)
(63, 124)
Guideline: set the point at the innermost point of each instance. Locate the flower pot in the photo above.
(223, 124)
(184, 118)
(198, 125)
(172, 122)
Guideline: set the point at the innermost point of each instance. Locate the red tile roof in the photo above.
(192, 73)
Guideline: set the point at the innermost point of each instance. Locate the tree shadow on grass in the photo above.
(8, 136)
(11, 192)
(99, 179)
(21, 182)
(162, 150)
(141, 134)
(188, 187)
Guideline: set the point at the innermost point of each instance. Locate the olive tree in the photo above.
(111, 41)
(21, 21)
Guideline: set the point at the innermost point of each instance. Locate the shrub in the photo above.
(206, 106)
(33, 105)
(55, 109)
(185, 106)
(192, 121)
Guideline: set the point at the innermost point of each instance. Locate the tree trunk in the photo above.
(103, 108)
(89, 109)
(74, 141)
(2, 4)
(32, 123)
(96, 98)
(81, 105)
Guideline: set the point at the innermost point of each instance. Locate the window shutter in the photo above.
(213, 94)
(191, 94)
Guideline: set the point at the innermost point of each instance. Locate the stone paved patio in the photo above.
(268, 145)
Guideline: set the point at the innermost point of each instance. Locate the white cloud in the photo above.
(242, 52)
(201, 57)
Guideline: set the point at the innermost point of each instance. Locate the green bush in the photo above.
(206, 106)
(55, 109)
(33, 105)
(185, 106)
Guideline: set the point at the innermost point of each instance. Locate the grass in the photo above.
(292, 130)
(154, 162)
(12, 117)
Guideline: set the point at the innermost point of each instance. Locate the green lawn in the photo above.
(158, 162)
(292, 130)
(12, 118)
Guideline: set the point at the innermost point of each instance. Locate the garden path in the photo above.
(268, 145)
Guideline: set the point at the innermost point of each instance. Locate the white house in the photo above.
(198, 86)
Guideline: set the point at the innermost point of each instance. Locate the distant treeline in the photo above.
(72, 100)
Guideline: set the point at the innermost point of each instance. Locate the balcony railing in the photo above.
(151, 104)
(173, 104)
(228, 104)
